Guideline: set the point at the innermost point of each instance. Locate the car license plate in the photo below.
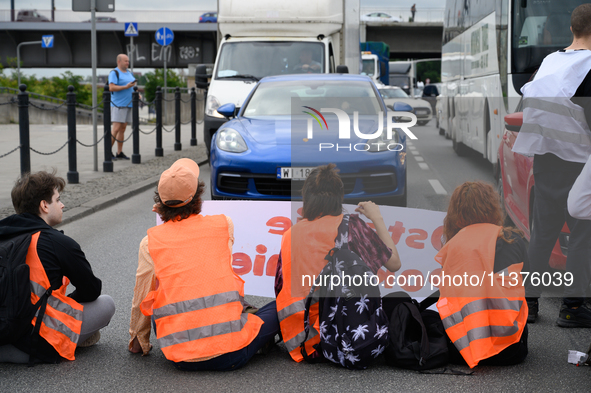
(295, 173)
(422, 111)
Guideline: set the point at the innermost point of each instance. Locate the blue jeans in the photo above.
(237, 359)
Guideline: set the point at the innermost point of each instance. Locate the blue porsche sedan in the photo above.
(291, 124)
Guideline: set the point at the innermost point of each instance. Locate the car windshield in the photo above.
(393, 93)
(368, 67)
(260, 59)
(275, 98)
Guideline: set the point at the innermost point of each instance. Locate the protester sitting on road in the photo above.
(486, 321)
(185, 282)
(54, 261)
(304, 246)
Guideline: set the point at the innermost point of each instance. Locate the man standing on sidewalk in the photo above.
(121, 82)
(556, 132)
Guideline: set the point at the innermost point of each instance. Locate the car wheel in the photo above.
(423, 123)
(441, 131)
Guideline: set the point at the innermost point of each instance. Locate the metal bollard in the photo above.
(193, 117)
(108, 163)
(158, 102)
(72, 175)
(136, 157)
(177, 118)
(23, 126)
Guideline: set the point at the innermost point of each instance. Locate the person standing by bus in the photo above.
(413, 9)
(555, 131)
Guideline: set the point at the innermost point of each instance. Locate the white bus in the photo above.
(490, 50)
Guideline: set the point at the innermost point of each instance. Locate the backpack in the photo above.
(353, 326)
(417, 336)
(16, 309)
(116, 73)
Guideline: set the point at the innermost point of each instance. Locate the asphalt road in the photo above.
(110, 239)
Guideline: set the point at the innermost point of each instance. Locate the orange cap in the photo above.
(178, 184)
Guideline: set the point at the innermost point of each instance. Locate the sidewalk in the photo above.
(96, 189)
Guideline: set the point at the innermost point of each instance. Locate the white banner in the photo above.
(259, 225)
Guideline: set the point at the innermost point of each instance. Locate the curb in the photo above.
(111, 199)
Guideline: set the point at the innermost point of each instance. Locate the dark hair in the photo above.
(323, 193)
(475, 203)
(32, 188)
(580, 20)
(168, 213)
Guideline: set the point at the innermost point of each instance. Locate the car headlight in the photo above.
(382, 143)
(211, 107)
(230, 140)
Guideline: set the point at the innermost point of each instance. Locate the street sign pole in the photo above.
(164, 37)
(132, 53)
(18, 57)
(94, 100)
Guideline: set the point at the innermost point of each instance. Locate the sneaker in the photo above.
(122, 156)
(532, 310)
(113, 157)
(90, 341)
(574, 317)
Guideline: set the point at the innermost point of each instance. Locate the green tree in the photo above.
(429, 69)
(156, 78)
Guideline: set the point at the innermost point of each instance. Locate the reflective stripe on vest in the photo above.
(56, 303)
(294, 308)
(295, 342)
(485, 331)
(197, 304)
(203, 332)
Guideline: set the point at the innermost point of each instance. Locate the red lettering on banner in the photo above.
(281, 224)
(272, 265)
(418, 234)
(241, 263)
(436, 238)
(397, 230)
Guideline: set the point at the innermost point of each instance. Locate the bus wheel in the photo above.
(460, 149)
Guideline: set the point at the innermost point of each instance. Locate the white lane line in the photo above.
(414, 152)
(419, 158)
(437, 187)
(423, 166)
(412, 148)
(408, 143)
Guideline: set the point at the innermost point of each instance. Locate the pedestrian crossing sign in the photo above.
(131, 29)
(47, 41)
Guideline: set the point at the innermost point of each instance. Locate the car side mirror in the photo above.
(201, 76)
(401, 107)
(227, 110)
(514, 121)
(342, 69)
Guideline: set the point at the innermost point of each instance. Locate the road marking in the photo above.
(423, 166)
(409, 143)
(419, 158)
(414, 152)
(437, 187)
(412, 148)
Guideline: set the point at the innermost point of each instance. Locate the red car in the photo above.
(515, 182)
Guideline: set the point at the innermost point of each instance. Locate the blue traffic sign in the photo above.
(47, 41)
(131, 29)
(164, 36)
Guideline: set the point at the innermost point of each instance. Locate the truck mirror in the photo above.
(342, 69)
(201, 76)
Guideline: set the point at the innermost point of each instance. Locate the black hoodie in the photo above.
(60, 256)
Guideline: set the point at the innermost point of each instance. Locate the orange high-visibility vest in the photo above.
(303, 248)
(483, 318)
(62, 320)
(197, 305)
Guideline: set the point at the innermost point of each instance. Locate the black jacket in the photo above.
(60, 256)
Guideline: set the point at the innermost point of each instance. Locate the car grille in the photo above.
(271, 186)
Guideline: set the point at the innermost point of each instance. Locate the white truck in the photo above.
(260, 38)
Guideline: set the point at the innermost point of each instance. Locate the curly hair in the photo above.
(168, 213)
(323, 193)
(475, 203)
